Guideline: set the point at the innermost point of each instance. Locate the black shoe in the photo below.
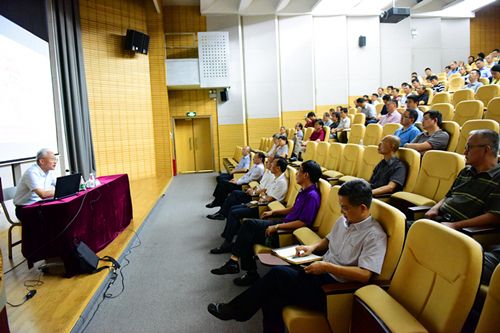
(216, 216)
(247, 279)
(221, 311)
(211, 205)
(223, 248)
(293, 159)
(230, 267)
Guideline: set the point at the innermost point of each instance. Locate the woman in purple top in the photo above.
(302, 213)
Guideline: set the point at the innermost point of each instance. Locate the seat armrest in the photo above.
(284, 232)
(412, 211)
(472, 231)
(351, 287)
(382, 196)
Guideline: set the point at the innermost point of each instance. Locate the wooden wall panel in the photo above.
(484, 29)
(290, 118)
(260, 127)
(230, 137)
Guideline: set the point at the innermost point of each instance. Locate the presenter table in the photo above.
(95, 216)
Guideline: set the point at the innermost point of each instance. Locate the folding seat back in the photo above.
(307, 133)
(453, 76)
(472, 125)
(238, 155)
(411, 158)
(373, 134)
(353, 111)
(486, 93)
(434, 180)
(262, 144)
(468, 110)
(379, 108)
(322, 153)
(367, 163)
(484, 81)
(462, 95)
(493, 111)
(455, 84)
(430, 92)
(453, 130)
(489, 321)
(431, 290)
(447, 110)
(332, 161)
(350, 159)
(291, 194)
(252, 154)
(359, 118)
(324, 189)
(442, 97)
(390, 129)
(351, 118)
(290, 132)
(327, 133)
(269, 144)
(291, 145)
(310, 153)
(356, 134)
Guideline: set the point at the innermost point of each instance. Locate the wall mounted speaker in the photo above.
(362, 41)
(224, 95)
(136, 41)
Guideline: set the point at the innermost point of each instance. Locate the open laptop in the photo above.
(65, 186)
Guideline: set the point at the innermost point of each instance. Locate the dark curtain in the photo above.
(66, 23)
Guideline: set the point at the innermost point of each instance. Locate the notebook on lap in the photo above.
(65, 186)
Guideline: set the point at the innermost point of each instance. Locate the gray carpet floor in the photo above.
(168, 283)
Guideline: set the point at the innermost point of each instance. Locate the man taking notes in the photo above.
(38, 182)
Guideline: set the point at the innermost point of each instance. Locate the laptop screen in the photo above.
(67, 185)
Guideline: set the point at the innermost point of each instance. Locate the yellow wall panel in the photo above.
(230, 136)
(290, 118)
(261, 127)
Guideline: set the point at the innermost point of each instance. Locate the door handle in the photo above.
(190, 144)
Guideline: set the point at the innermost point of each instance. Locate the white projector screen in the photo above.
(27, 117)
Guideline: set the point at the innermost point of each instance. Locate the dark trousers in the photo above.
(371, 121)
(223, 188)
(233, 219)
(282, 286)
(234, 198)
(20, 213)
(251, 232)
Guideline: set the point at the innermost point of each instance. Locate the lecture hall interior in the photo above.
(156, 99)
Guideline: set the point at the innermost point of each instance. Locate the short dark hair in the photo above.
(481, 55)
(336, 114)
(480, 59)
(447, 67)
(281, 163)
(366, 96)
(386, 97)
(495, 50)
(282, 137)
(405, 84)
(358, 192)
(427, 68)
(415, 80)
(433, 114)
(300, 125)
(313, 169)
(390, 87)
(412, 98)
(311, 114)
(433, 77)
(495, 68)
(489, 135)
(396, 89)
(477, 71)
(413, 114)
(319, 121)
(344, 110)
(360, 100)
(375, 94)
(261, 155)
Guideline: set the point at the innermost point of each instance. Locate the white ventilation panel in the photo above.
(213, 54)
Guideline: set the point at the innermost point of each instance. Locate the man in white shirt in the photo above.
(392, 116)
(38, 182)
(225, 186)
(276, 190)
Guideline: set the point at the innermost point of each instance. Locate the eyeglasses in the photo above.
(469, 147)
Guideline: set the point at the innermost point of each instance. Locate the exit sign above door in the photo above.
(191, 114)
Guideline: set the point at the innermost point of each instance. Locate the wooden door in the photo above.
(203, 150)
(184, 145)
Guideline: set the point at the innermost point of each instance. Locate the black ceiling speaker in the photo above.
(136, 41)
(362, 41)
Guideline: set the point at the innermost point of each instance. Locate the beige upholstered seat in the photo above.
(359, 118)
(322, 152)
(453, 130)
(332, 161)
(486, 93)
(493, 110)
(356, 133)
(348, 162)
(431, 290)
(373, 134)
(455, 84)
(462, 95)
(442, 97)
(307, 133)
(489, 321)
(366, 164)
(390, 129)
(447, 110)
(472, 125)
(411, 158)
(468, 110)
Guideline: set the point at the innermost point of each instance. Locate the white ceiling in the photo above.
(445, 8)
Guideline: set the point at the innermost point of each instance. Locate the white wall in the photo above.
(455, 40)
(296, 62)
(330, 60)
(232, 111)
(364, 63)
(426, 45)
(260, 47)
(395, 53)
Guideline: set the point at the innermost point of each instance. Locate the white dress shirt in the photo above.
(33, 178)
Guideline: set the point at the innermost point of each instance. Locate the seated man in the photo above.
(495, 75)
(243, 165)
(302, 213)
(412, 104)
(287, 285)
(368, 110)
(310, 119)
(409, 131)
(437, 86)
(474, 82)
(225, 186)
(433, 137)
(272, 151)
(38, 182)
(282, 147)
(275, 190)
(392, 115)
(385, 99)
(344, 125)
(474, 197)
(389, 174)
(423, 96)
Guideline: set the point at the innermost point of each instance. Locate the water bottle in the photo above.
(82, 184)
(91, 180)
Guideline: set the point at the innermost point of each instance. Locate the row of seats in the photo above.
(230, 163)
(467, 110)
(484, 94)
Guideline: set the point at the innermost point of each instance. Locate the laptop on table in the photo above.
(65, 187)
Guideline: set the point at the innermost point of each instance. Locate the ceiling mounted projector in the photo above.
(394, 15)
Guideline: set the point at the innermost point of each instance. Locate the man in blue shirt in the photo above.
(409, 131)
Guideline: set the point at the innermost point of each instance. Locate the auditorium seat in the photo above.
(291, 145)
(442, 97)
(332, 161)
(453, 130)
(291, 194)
(348, 163)
(468, 110)
(462, 95)
(379, 108)
(322, 153)
(356, 133)
(431, 290)
(433, 181)
(7, 194)
(340, 296)
(489, 321)
(327, 133)
(486, 93)
(308, 154)
(411, 158)
(290, 132)
(366, 164)
(493, 110)
(231, 162)
(373, 134)
(359, 118)
(484, 81)
(307, 133)
(390, 129)
(447, 110)
(472, 125)
(455, 84)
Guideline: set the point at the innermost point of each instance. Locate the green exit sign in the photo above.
(191, 114)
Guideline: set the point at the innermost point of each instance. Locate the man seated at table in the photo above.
(474, 197)
(275, 190)
(225, 186)
(38, 182)
(287, 285)
(389, 175)
(302, 213)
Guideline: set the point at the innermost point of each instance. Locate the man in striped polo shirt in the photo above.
(474, 198)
